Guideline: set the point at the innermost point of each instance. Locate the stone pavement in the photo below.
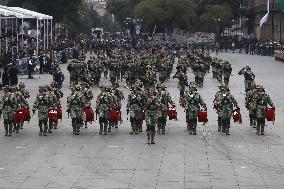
(209, 160)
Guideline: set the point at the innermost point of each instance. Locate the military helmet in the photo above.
(77, 88)
(192, 85)
(21, 84)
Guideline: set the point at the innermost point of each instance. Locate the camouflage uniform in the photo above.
(8, 106)
(262, 101)
(192, 102)
(22, 103)
(248, 75)
(134, 107)
(182, 81)
(118, 97)
(104, 101)
(227, 71)
(43, 105)
(165, 99)
(227, 103)
(152, 106)
(75, 106)
(199, 72)
(251, 105)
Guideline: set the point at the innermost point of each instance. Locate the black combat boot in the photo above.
(152, 139)
(6, 130)
(148, 139)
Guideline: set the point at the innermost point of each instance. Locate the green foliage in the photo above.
(211, 15)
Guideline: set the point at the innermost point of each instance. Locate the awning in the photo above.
(22, 13)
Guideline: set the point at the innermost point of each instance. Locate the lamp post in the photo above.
(218, 20)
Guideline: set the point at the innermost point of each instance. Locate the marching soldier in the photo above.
(262, 100)
(75, 107)
(227, 71)
(165, 99)
(42, 104)
(152, 106)
(119, 96)
(104, 101)
(134, 107)
(54, 96)
(8, 107)
(251, 105)
(182, 81)
(217, 103)
(22, 103)
(226, 104)
(192, 102)
(88, 96)
(199, 72)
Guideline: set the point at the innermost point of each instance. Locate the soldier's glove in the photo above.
(205, 109)
(273, 108)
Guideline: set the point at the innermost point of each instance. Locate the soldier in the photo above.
(75, 107)
(23, 90)
(54, 96)
(8, 107)
(134, 107)
(217, 103)
(88, 96)
(22, 103)
(249, 76)
(227, 71)
(262, 100)
(226, 104)
(104, 101)
(119, 96)
(251, 104)
(165, 99)
(192, 102)
(199, 72)
(42, 104)
(182, 81)
(151, 115)
(219, 70)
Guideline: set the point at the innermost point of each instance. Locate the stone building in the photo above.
(274, 28)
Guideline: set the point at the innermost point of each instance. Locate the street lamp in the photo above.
(218, 20)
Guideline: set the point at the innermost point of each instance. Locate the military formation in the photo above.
(145, 73)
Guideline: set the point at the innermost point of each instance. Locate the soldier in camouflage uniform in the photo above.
(262, 100)
(199, 72)
(191, 102)
(75, 106)
(8, 107)
(182, 83)
(22, 103)
(54, 96)
(226, 104)
(88, 96)
(219, 70)
(165, 99)
(104, 102)
(217, 103)
(251, 105)
(152, 106)
(42, 104)
(227, 71)
(134, 107)
(118, 97)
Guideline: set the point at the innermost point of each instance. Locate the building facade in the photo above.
(273, 29)
(99, 6)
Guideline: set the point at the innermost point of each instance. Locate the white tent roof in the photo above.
(22, 13)
(6, 12)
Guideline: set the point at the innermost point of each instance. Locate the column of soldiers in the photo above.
(148, 101)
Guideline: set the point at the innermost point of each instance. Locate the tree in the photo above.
(168, 14)
(212, 13)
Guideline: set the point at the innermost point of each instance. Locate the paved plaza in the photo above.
(209, 160)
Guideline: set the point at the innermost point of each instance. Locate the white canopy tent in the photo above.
(16, 13)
